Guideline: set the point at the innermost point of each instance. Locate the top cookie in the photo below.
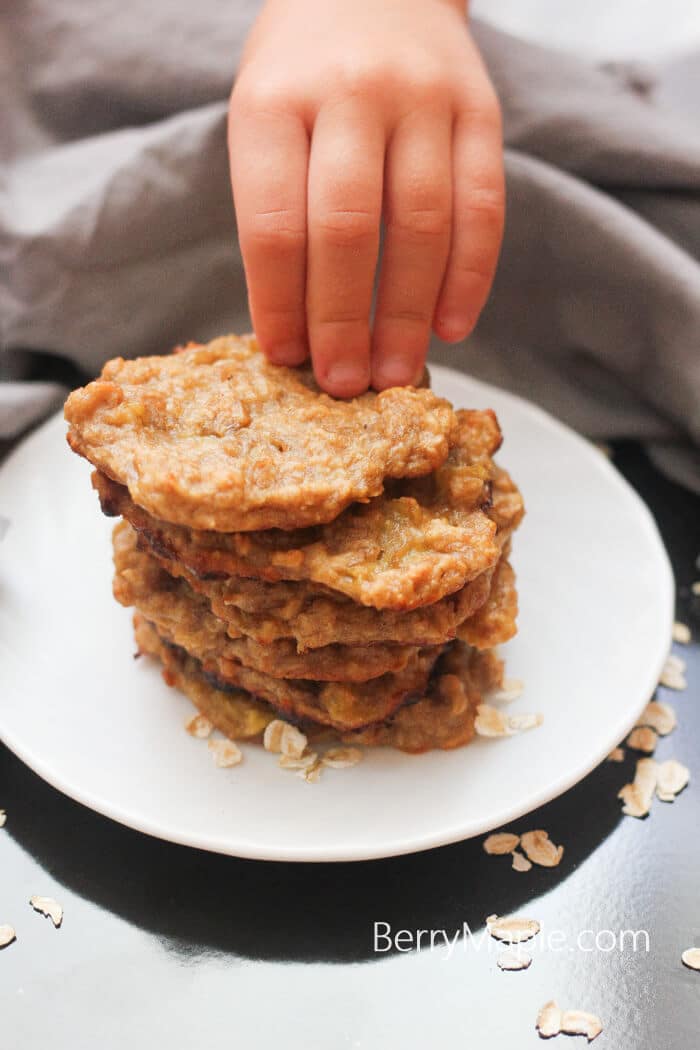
(214, 437)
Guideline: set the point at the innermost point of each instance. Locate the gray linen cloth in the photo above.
(117, 233)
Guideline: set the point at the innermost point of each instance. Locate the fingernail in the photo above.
(346, 379)
(451, 329)
(396, 373)
(290, 354)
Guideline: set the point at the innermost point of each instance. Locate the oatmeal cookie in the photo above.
(409, 547)
(185, 618)
(216, 437)
(236, 713)
(442, 718)
(495, 622)
(342, 705)
(315, 617)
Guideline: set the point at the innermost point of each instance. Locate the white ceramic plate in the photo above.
(596, 610)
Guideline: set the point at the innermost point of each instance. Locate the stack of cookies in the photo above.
(341, 565)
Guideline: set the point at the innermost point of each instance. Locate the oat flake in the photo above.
(7, 936)
(549, 1019)
(659, 717)
(510, 690)
(637, 796)
(512, 928)
(225, 753)
(672, 777)
(540, 849)
(643, 738)
(49, 907)
(691, 958)
(579, 1022)
(342, 757)
(305, 761)
(512, 960)
(500, 843)
(681, 633)
(283, 737)
(520, 862)
(199, 727)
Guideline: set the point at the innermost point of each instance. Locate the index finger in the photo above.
(269, 154)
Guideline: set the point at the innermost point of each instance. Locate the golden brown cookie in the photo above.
(442, 718)
(186, 619)
(343, 705)
(215, 437)
(495, 622)
(409, 547)
(314, 617)
(237, 714)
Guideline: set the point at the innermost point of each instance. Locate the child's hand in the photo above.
(346, 111)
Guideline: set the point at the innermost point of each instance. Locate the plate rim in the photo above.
(431, 840)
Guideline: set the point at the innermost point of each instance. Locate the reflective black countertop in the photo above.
(165, 945)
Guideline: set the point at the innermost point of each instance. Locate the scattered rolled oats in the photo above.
(520, 723)
(579, 1022)
(49, 907)
(551, 1021)
(540, 849)
(512, 928)
(342, 757)
(225, 753)
(637, 796)
(617, 755)
(673, 678)
(272, 737)
(513, 960)
(659, 717)
(312, 774)
(500, 843)
(7, 936)
(492, 722)
(520, 862)
(681, 633)
(283, 737)
(548, 1021)
(672, 777)
(691, 958)
(3, 818)
(199, 727)
(510, 690)
(293, 742)
(304, 761)
(643, 738)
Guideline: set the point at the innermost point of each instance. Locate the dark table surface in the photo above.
(164, 945)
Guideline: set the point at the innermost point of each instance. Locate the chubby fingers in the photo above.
(344, 213)
(477, 223)
(269, 157)
(418, 214)
(309, 192)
